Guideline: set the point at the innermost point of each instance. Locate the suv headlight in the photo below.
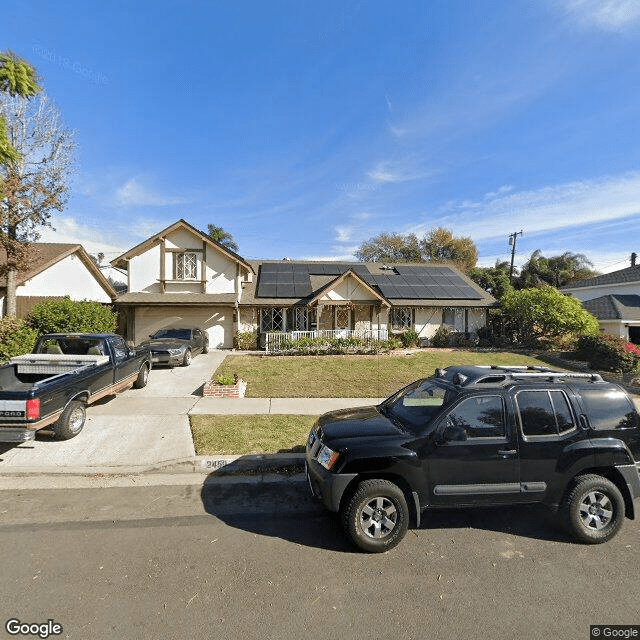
(175, 352)
(327, 458)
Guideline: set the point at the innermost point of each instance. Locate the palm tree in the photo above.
(222, 237)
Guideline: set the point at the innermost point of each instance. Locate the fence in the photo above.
(273, 341)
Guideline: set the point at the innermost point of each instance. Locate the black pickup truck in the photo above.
(481, 436)
(52, 386)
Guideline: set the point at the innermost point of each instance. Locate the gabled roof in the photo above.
(121, 261)
(623, 276)
(42, 255)
(340, 279)
(614, 307)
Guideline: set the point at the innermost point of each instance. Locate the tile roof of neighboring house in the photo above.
(614, 307)
(121, 261)
(291, 282)
(42, 255)
(183, 299)
(623, 276)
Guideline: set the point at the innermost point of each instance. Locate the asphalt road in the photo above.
(237, 560)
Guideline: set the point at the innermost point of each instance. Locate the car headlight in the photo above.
(175, 352)
(327, 458)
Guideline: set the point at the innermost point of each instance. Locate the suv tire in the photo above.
(593, 509)
(375, 516)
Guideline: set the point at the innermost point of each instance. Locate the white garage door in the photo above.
(217, 321)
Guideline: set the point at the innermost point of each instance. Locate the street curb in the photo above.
(287, 464)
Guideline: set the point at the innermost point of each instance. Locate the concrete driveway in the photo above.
(140, 427)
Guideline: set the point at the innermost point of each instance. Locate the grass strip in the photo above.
(244, 434)
(351, 376)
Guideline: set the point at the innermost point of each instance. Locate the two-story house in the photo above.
(181, 278)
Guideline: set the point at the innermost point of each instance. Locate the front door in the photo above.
(342, 321)
(476, 460)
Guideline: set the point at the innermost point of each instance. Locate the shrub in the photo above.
(394, 343)
(246, 341)
(539, 317)
(409, 338)
(68, 316)
(227, 380)
(608, 353)
(441, 338)
(16, 338)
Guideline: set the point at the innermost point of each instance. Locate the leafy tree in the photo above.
(65, 315)
(17, 78)
(34, 185)
(556, 271)
(439, 245)
(544, 315)
(390, 247)
(16, 338)
(494, 279)
(222, 237)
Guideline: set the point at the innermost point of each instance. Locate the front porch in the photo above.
(278, 342)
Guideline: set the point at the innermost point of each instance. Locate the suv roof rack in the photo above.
(485, 374)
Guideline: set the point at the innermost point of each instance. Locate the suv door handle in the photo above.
(507, 452)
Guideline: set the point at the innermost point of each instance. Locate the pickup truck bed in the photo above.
(53, 389)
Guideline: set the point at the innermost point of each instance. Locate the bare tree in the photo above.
(34, 182)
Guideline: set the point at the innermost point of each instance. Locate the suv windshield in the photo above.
(415, 405)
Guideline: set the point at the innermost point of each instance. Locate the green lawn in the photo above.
(350, 376)
(240, 435)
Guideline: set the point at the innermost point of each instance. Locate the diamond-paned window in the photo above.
(271, 319)
(186, 266)
(298, 319)
(401, 318)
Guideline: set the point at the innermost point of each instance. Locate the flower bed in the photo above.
(213, 389)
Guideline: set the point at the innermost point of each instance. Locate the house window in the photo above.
(185, 266)
(449, 318)
(297, 319)
(401, 318)
(271, 319)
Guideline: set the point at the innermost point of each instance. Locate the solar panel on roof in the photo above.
(268, 278)
(266, 290)
(301, 290)
(285, 290)
(268, 268)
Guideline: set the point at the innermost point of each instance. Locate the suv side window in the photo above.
(609, 410)
(544, 413)
(479, 416)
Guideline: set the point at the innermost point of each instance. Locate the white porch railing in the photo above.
(273, 341)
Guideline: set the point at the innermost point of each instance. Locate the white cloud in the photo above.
(553, 208)
(608, 14)
(394, 171)
(343, 234)
(133, 193)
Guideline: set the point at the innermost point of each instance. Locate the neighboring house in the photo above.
(56, 271)
(180, 277)
(613, 298)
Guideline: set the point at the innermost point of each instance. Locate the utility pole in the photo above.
(512, 241)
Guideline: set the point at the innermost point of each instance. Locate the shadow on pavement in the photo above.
(287, 510)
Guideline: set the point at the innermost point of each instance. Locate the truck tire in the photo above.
(186, 361)
(375, 516)
(593, 509)
(71, 421)
(143, 377)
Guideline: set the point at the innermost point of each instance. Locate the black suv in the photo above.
(481, 436)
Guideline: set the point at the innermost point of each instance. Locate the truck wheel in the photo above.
(71, 421)
(376, 516)
(186, 361)
(143, 377)
(594, 509)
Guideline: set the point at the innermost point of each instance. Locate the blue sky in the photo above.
(304, 128)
